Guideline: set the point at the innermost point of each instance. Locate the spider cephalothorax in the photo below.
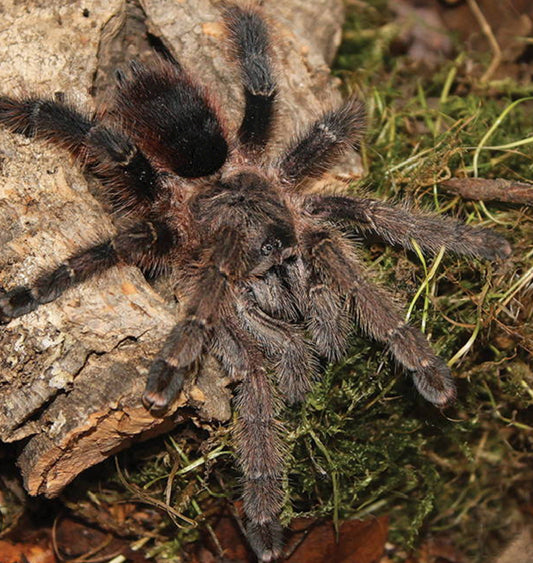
(269, 279)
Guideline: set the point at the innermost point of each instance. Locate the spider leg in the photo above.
(327, 318)
(379, 316)
(258, 437)
(316, 150)
(248, 33)
(188, 338)
(312, 301)
(285, 345)
(145, 243)
(182, 348)
(261, 459)
(275, 296)
(296, 292)
(130, 179)
(171, 119)
(185, 343)
(399, 226)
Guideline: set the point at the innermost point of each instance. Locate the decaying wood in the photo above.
(71, 373)
(481, 189)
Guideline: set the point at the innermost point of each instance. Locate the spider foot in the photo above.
(434, 382)
(15, 303)
(491, 245)
(265, 539)
(164, 384)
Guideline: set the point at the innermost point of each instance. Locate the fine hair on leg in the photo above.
(249, 37)
(317, 149)
(145, 244)
(400, 226)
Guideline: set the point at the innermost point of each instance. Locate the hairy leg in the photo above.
(130, 180)
(323, 309)
(186, 341)
(145, 243)
(257, 434)
(379, 316)
(296, 293)
(211, 291)
(275, 296)
(285, 346)
(327, 319)
(399, 226)
(318, 148)
(250, 39)
(182, 348)
(261, 459)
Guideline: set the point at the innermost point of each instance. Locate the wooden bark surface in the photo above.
(72, 373)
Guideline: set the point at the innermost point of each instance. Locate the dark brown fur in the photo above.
(271, 281)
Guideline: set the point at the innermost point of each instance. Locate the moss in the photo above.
(364, 443)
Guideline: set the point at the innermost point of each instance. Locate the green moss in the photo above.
(365, 446)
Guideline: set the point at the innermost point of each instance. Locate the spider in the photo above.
(270, 278)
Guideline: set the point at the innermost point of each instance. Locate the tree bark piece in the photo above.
(72, 372)
(481, 189)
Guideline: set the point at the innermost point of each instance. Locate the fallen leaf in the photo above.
(358, 542)
(32, 553)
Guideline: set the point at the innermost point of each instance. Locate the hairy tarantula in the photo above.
(271, 279)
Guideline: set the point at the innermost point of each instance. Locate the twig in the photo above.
(499, 189)
(487, 31)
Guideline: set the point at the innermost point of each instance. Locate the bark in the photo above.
(71, 373)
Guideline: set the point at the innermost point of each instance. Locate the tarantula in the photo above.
(271, 279)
